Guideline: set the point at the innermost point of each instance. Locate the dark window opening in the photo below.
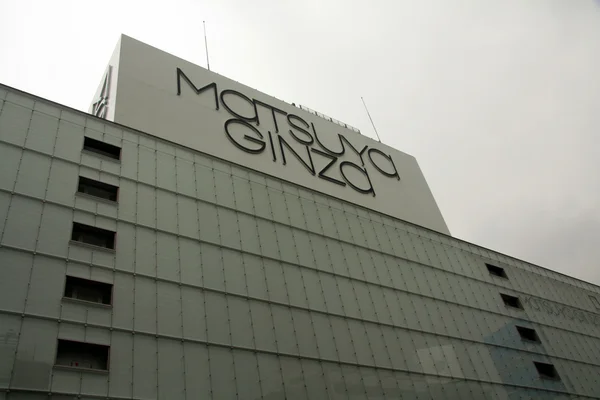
(82, 355)
(528, 334)
(97, 189)
(98, 147)
(92, 235)
(86, 290)
(511, 301)
(546, 371)
(496, 271)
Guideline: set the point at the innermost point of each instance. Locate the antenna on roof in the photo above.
(206, 45)
(371, 119)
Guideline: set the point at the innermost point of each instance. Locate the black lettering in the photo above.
(272, 146)
(273, 111)
(363, 171)
(332, 160)
(260, 142)
(242, 96)
(360, 153)
(212, 86)
(310, 168)
(291, 118)
(389, 158)
(336, 153)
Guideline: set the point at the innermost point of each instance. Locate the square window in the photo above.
(528, 334)
(87, 290)
(102, 148)
(496, 271)
(511, 301)
(97, 189)
(92, 235)
(82, 355)
(546, 371)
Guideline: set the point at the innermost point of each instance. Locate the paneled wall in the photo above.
(231, 284)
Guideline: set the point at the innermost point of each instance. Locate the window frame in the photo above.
(506, 298)
(92, 228)
(521, 329)
(89, 302)
(95, 146)
(99, 185)
(82, 369)
(497, 271)
(542, 375)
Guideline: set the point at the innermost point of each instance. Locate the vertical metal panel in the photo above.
(193, 314)
(185, 179)
(14, 123)
(241, 322)
(145, 251)
(243, 194)
(65, 381)
(228, 228)
(235, 274)
(224, 189)
(129, 159)
(169, 309)
(275, 281)
(187, 217)
(223, 379)
(145, 304)
(255, 276)
(10, 328)
(23, 222)
(166, 214)
(55, 227)
(247, 375)
(167, 257)
(35, 354)
(217, 318)
(9, 166)
(264, 330)
(205, 185)
(69, 141)
(209, 223)
(46, 286)
(126, 245)
(94, 384)
(171, 379)
(42, 133)
(285, 241)
(190, 261)
(212, 267)
(284, 330)
(62, 183)
(314, 292)
(249, 234)
(165, 171)
(294, 285)
(147, 158)
(145, 367)
(32, 177)
(197, 371)
(271, 376)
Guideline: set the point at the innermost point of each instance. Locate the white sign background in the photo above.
(144, 96)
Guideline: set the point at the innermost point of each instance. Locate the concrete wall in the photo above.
(232, 284)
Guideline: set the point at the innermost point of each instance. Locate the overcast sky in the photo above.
(499, 101)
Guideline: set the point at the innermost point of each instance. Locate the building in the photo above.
(196, 239)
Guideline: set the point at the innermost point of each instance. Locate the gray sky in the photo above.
(499, 101)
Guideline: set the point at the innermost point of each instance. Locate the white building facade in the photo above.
(198, 239)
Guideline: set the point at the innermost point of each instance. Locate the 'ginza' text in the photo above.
(242, 130)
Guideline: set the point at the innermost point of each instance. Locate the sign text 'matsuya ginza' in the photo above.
(243, 131)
